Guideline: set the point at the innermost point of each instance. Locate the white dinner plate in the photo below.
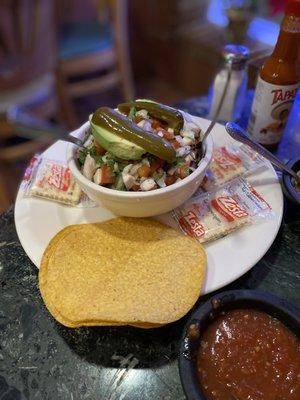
(37, 221)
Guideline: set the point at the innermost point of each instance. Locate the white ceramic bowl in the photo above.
(140, 204)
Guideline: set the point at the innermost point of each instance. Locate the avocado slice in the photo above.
(118, 124)
(116, 145)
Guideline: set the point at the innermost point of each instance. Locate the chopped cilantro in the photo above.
(82, 153)
(178, 161)
(132, 113)
(93, 153)
(119, 184)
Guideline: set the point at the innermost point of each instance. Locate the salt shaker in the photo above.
(235, 59)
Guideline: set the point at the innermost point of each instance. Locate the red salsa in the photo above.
(249, 355)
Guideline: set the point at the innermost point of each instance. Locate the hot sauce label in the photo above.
(270, 111)
(280, 95)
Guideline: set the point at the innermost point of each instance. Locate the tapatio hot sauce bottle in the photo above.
(278, 82)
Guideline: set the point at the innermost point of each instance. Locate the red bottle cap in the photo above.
(293, 7)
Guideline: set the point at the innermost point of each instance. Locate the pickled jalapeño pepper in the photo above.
(168, 115)
(121, 126)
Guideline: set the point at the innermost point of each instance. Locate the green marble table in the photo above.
(40, 359)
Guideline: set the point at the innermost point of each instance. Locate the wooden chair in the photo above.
(27, 78)
(99, 48)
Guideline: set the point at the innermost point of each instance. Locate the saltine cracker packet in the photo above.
(213, 215)
(52, 180)
(229, 162)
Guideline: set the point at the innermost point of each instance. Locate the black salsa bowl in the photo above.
(289, 189)
(281, 309)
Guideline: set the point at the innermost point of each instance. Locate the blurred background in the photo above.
(60, 60)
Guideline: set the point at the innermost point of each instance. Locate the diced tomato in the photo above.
(100, 150)
(144, 171)
(155, 124)
(107, 175)
(167, 135)
(175, 144)
(170, 179)
(138, 119)
(183, 171)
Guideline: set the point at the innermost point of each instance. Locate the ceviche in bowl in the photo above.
(141, 159)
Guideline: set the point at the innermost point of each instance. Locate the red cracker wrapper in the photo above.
(210, 216)
(52, 180)
(230, 162)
